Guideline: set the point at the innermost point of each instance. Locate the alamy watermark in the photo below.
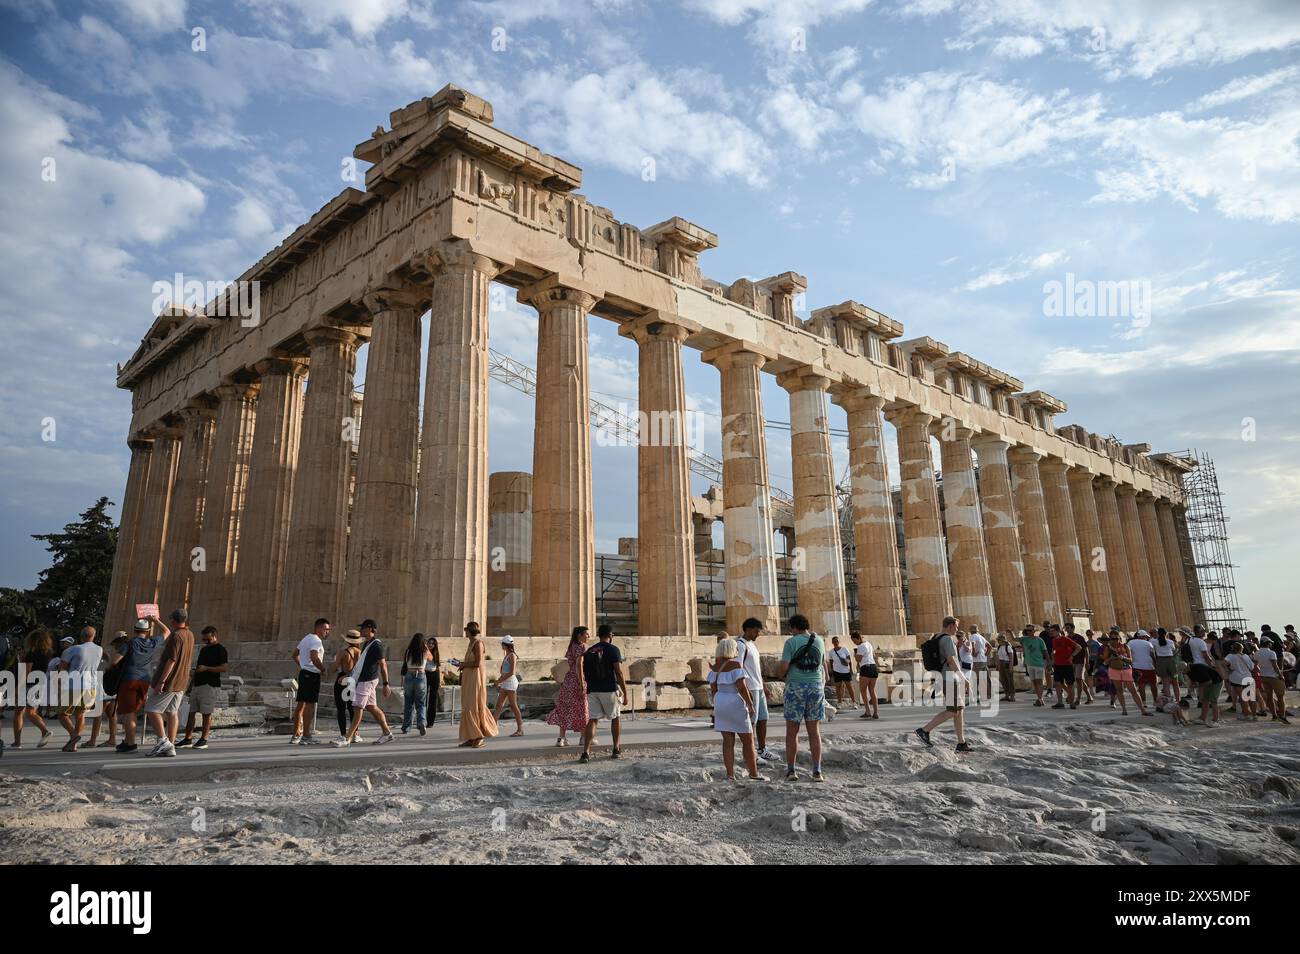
(1084, 298)
(216, 299)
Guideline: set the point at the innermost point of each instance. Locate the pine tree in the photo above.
(73, 592)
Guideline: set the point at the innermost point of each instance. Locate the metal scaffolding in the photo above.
(1207, 543)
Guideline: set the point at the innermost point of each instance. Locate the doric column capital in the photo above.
(948, 431)
(162, 432)
(237, 391)
(328, 334)
(908, 414)
(550, 292)
(988, 442)
(1080, 475)
(803, 378)
(281, 365)
(857, 399)
(1125, 490)
(143, 445)
(1055, 466)
(199, 409)
(1146, 497)
(382, 298)
(1023, 454)
(737, 354)
(458, 255)
(657, 327)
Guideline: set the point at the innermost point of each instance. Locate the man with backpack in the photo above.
(1035, 651)
(954, 690)
(602, 668)
(805, 694)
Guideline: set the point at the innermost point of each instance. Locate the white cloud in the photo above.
(797, 116)
(363, 17)
(1022, 267)
(1245, 87)
(775, 24)
(154, 15)
(1017, 47)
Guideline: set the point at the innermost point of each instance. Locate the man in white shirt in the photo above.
(81, 662)
(1144, 664)
(309, 654)
(979, 650)
(748, 656)
(1272, 688)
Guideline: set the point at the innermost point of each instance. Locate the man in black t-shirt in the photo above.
(205, 687)
(603, 671)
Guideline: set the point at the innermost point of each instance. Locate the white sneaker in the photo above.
(310, 740)
(342, 739)
(766, 755)
(387, 737)
(358, 738)
(341, 743)
(296, 740)
(168, 751)
(157, 748)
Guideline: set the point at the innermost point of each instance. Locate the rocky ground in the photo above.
(1106, 792)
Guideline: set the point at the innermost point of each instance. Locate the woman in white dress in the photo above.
(733, 709)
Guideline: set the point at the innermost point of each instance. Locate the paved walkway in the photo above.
(439, 746)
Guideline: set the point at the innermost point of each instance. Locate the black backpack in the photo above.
(804, 659)
(113, 676)
(1185, 651)
(931, 657)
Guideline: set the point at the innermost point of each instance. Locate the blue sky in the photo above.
(939, 160)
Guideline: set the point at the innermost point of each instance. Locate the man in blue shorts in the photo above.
(805, 694)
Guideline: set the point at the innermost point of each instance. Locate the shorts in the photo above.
(954, 691)
(1035, 673)
(162, 703)
(1144, 677)
(1120, 675)
(1064, 674)
(204, 699)
(1199, 673)
(131, 694)
(1166, 667)
(308, 687)
(804, 703)
(364, 695)
(980, 666)
(870, 671)
(602, 705)
(79, 700)
(760, 705)
(842, 676)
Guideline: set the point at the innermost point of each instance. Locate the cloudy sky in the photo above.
(940, 160)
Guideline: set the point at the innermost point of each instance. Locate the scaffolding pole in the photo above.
(1214, 597)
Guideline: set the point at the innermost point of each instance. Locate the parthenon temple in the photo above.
(255, 499)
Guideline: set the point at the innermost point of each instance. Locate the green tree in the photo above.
(73, 592)
(17, 612)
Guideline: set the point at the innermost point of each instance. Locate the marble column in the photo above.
(1136, 548)
(120, 612)
(972, 592)
(1174, 564)
(381, 540)
(748, 547)
(1092, 549)
(929, 599)
(318, 523)
(1115, 556)
(510, 550)
(147, 552)
(666, 561)
(875, 537)
(1188, 552)
(1066, 559)
(451, 526)
(562, 587)
(198, 422)
(264, 532)
(212, 598)
(1035, 537)
(820, 588)
(1001, 536)
(1166, 613)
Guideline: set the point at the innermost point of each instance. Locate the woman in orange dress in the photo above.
(476, 721)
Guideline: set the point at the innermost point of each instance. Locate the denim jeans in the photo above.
(416, 690)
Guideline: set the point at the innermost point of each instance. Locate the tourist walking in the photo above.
(570, 712)
(1144, 664)
(38, 650)
(508, 684)
(965, 659)
(1035, 651)
(750, 659)
(1048, 635)
(603, 672)
(804, 700)
(1201, 673)
(170, 678)
(979, 649)
(733, 709)
(1272, 688)
(839, 672)
(433, 680)
(309, 655)
(1080, 661)
(1006, 658)
(415, 684)
(111, 680)
(1241, 681)
(476, 720)
(868, 673)
(344, 662)
(1119, 669)
(954, 690)
(1166, 664)
(81, 662)
(370, 671)
(205, 687)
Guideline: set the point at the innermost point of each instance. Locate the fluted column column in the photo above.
(929, 599)
(875, 537)
(120, 612)
(1066, 559)
(451, 526)
(563, 581)
(666, 560)
(1116, 554)
(820, 583)
(318, 523)
(212, 599)
(1174, 564)
(382, 536)
(148, 550)
(198, 423)
(264, 533)
(1166, 613)
(1001, 536)
(1092, 549)
(1136, 549)
(748, 547)
(1035, 537)
(510, 550)
(972, 592)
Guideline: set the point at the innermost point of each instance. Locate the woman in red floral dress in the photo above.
(570, 712)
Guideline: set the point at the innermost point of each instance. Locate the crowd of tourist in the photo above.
(159, 670)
